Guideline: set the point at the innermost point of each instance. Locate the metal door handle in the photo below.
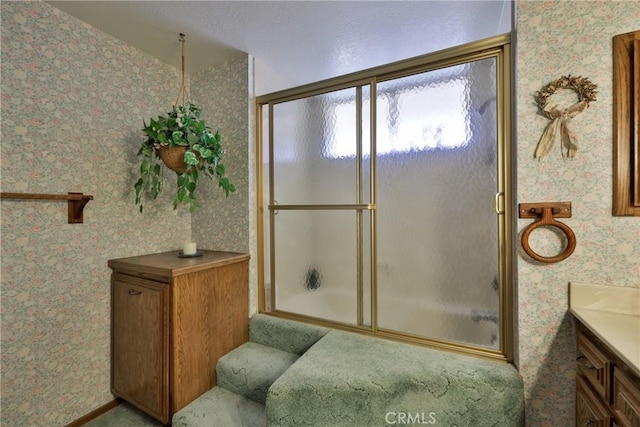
(498, 196)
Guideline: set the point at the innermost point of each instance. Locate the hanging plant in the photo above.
(182, 141)
(182, 129)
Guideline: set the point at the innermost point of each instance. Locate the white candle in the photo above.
(189, 248)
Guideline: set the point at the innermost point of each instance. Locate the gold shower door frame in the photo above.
(498, 48)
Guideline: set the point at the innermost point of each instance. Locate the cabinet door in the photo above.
(139, 350)
(210, 317)
(590, 411)
(626, 399)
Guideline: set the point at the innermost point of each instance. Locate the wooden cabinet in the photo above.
(172, 319)
(607, 390)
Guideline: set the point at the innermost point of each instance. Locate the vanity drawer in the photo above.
(594, 365)
(626, 398)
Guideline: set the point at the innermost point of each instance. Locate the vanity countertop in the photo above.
(612, 313)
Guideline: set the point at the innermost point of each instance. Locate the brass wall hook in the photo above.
(547, 212)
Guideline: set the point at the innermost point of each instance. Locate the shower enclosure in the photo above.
(385, 200)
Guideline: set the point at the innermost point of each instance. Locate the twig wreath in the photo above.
(586, 93)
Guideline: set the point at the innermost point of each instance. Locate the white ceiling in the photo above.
(301, 41)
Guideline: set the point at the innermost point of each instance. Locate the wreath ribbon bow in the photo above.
(559, 122)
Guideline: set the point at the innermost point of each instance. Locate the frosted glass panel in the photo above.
(437, 228)
(307, 168)
(316, 264)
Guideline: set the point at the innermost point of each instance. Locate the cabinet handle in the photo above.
(134, 292)
(587, 364)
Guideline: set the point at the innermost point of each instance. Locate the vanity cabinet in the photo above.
(607, 390)
(172, 319)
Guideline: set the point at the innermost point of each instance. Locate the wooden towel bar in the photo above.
(75, 201)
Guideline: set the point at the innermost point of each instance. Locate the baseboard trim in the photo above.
(95, 413)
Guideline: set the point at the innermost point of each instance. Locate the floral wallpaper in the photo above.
(557, 38)
(223, 223)
(73, 101)
(222, 94)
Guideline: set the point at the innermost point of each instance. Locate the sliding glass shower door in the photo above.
(318, 197)
(385, 202)
(437, 229)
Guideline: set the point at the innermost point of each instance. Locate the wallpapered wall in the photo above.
(555, 39)
(222, 95)
(73, 101)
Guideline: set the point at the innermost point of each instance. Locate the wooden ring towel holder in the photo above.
(546, 212)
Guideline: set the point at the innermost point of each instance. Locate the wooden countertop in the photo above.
(166, 265)
(613, 314)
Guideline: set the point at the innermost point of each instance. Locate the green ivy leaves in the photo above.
(181, 127)
(150, 178)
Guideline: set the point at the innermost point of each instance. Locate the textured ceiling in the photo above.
(302, 41)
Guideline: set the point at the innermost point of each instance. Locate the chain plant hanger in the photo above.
(182, 141)
(183, 93)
